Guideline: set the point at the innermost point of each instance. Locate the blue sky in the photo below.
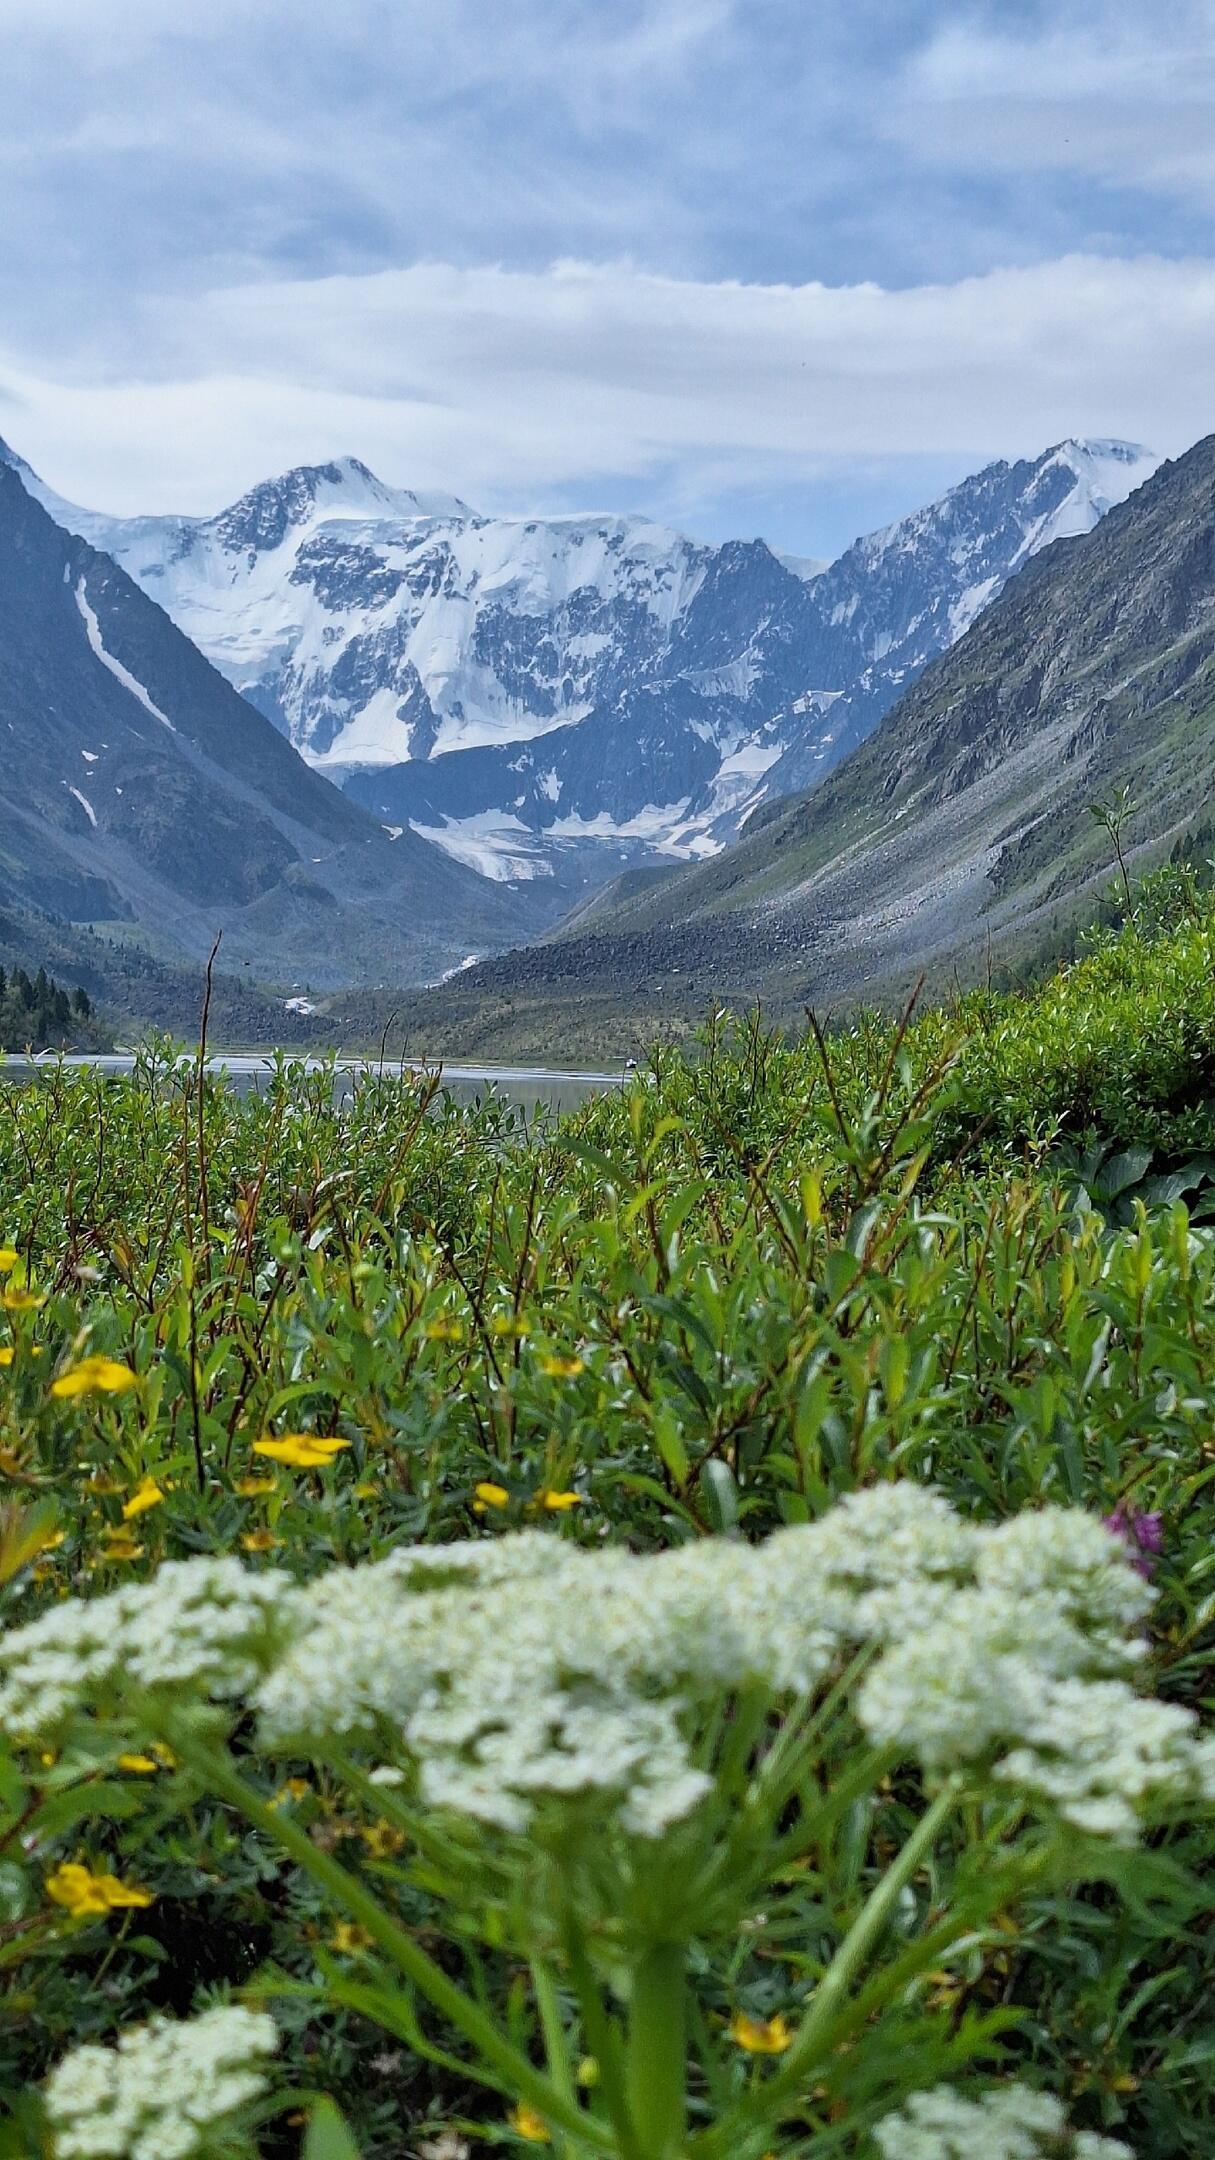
(778, 266)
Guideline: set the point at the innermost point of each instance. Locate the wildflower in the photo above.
(118, 1547)
(9, 1257)
(94, 1376)
(86, 1896)
(493, 1495)
(139, 1765)
(1142, 1533)
(348, 1938)
(6, 1353)
(304, 1451)
(381, 1840)
(147, 1494)
(561, 1368)
(167, 2088)
(260, 1541)
(760, 2036)
(509, 1324)
(558, 1502)
(443, 1331)
(22, 1301)
(1010, 2123)
(254, 1488)
(530, 2126)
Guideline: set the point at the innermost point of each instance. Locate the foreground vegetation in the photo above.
(752, 1800)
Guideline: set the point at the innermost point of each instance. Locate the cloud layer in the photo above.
(714, 259)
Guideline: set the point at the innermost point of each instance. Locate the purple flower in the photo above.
(1142, 1533)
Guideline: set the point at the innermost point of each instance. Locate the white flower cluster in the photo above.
(198, 1623)
(524, 1666)
(1010, 2123)
(162, 2091)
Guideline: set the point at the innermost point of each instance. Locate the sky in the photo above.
(786, 267)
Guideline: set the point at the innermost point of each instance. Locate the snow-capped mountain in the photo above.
(525, 691)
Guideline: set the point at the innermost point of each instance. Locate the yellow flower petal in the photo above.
(304, 1451)
(9, 1257)
(22, 1300)
(120, 1548)
(760, 2036)
(94, 1376)
(493, 1495)
(558, 1502)
(6, 1353)
(349, 1938)
(260, 1541)
(561, 1368)
(147, 1494)
(86, 1895)
(253, 1488)
(443, 1331)
(139, 1765)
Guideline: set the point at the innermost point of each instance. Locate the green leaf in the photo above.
(328, 2136)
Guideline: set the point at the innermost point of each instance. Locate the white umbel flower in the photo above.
(164, 2089)
(1010, 2123)
(524, 1672)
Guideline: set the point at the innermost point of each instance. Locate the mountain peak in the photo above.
(343, 488)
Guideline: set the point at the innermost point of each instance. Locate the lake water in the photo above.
(529, 1087)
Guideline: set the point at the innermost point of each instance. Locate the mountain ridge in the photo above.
(565, 698)
(960, 826)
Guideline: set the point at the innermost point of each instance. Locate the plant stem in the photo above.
(815, 2031)
(512, 2068)
(657, 2051)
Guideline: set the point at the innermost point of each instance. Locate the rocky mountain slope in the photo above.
(561, 698)
(138, 789)
(961, 825)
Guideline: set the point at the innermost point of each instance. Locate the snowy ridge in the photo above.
(522, 689)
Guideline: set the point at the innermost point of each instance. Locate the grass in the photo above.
(759, 1277)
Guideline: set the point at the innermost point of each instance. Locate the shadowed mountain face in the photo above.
(964, 818)
(554, 699)
(137, 788)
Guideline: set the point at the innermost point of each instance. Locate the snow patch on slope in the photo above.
(92, 630)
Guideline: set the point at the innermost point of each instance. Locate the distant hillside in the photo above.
(138, 789)
(961, 826)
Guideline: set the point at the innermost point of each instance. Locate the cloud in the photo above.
(519, 387)
(1111, 91)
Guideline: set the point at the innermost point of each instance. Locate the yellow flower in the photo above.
(147, 1494)
(561, 1368)
(22, 1300)
(349, 1938)
(296, 1788)
(366, 1491)
(260, 1541)
(94, 1376)
(508, 1324)
(6, 1353)
(443, 1331)
(253, 1488)
(760, 2036)
(526, 2123)
(558, 1502)
(303, 1450)
(493, 1495)
(120, 1547)
(381, 1840)
(139, 1765)
(86, 1895)
(9, 1257)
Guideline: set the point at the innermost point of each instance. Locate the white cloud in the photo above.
(510, 386)
(1115, 91)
